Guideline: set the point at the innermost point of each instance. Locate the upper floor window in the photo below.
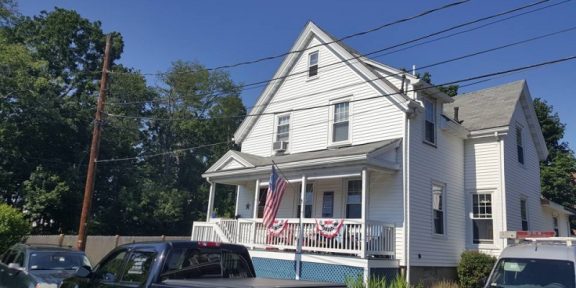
(524, 215)
(340, 127)
(430, 121)
(482, 219)
(313, 64)
(438, 208)
(519, 144)
(283, 128)
(354, 199)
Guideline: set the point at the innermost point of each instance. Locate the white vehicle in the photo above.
(535, 262)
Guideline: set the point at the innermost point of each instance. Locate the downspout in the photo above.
(503, 213)
(406, 188)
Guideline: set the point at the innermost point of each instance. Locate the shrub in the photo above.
(474, 268)
(13, 227)
(376, 282)
(445, 284)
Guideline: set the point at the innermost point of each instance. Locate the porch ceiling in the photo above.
(381, 155)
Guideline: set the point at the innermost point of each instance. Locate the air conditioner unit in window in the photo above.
(280, 146)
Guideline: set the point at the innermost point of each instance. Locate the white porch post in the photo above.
(300, 228)
(211, 200)
(364, 211)
(255, 211)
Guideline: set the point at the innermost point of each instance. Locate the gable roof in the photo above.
(494, 107)
(338, 47)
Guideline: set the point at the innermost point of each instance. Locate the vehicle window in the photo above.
(521, 272)
(193, 263)
(138, 267)
(19, 259)
(111, 269)
(57, 260)
(9, 256)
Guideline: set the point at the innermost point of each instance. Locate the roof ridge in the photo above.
(493, 88)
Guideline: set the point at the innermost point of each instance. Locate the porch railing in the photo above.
(379, 238)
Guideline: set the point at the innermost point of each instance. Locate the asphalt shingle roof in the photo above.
(487, 108)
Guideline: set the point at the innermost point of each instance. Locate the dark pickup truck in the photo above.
(178, 264)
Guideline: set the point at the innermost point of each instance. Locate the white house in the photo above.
(416, 176)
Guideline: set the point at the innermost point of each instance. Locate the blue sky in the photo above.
(217, 32)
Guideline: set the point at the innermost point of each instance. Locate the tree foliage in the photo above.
(558, 171)
(13, 227)
(50, 66)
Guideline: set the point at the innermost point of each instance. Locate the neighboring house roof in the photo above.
(234, 160)
(555, 206)
(343, 52)
(494, 108)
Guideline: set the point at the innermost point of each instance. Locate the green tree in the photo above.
(13, 227)
(558, 170)
(451, 90)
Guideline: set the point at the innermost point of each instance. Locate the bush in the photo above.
(445, 284)
(376, 282)
(13, 227)
(474, 268)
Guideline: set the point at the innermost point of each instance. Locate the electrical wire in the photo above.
(494, 74)
(259, 84)
(378, 78)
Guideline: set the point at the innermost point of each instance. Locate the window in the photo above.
(283, 128)
(308, 200)
(482, 218)
(341, 122)
(354, 199)
(519, 145)
(438, 208)
(111, 268)
(328, 205)
(194, 263)
(138, 267)
(524, 215)
(555, 223)
(261, 202)
(313, 64)
(430, 121)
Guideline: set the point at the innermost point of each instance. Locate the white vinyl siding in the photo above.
(428, 164)
(371, 120)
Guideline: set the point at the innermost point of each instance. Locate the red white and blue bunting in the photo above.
(278, 227)
(329, 228)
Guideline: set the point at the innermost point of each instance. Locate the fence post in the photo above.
(116, 240)
(60, 240)
(163, 237)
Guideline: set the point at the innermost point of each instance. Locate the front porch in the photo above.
(376, 241)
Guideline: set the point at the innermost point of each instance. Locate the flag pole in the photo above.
(298, 255)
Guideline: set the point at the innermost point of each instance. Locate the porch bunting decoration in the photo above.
(276, 187)
(329, 228)
(278, 227)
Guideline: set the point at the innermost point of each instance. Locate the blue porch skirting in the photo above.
(286, 269)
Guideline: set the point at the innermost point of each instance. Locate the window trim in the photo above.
(332, 112)
(520, 151)
(297, 200)
(525, 201)
(346, 193)
(310, 66)
(443, 205)
(434, 105)
(472, 218)
(276, 125)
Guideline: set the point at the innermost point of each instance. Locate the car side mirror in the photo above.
(83, 272)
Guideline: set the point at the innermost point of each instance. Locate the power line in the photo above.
(355, 57)
(375, 79)
(343, 38)
(494, 74)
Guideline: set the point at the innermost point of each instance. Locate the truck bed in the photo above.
(244, 283)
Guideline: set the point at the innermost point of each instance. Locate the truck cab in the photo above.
(543, 262)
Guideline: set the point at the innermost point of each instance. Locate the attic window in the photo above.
(313, 64)
(430, 122)
(519, 144)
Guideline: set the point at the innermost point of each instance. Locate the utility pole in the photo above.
(94, 149)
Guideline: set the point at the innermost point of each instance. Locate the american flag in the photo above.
(276, 188)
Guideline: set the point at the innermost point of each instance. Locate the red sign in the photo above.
(534, 234)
